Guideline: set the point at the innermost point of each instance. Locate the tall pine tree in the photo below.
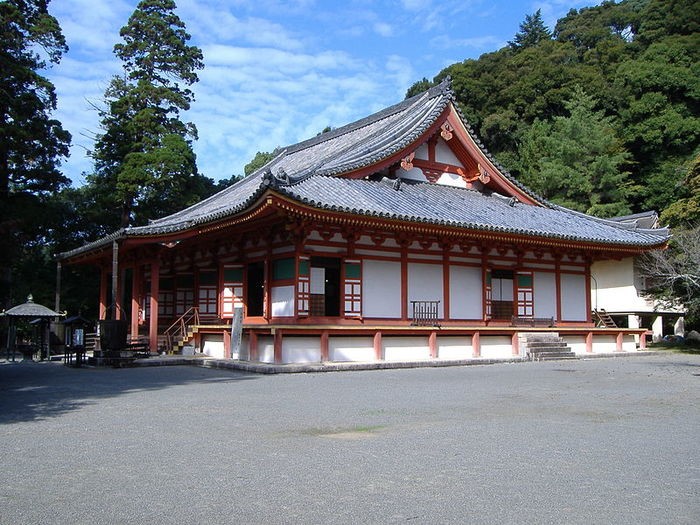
(532, 32)
(578, 161)
(31, 142)
(143, 157)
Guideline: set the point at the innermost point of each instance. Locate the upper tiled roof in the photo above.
(465, 208)
(308, 172)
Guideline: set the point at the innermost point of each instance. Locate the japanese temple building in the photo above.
(396, 237)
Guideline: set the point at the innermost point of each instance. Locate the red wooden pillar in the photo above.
(432, 345)
(404, 281)
(557, 284)
(153, 319)
(446, 281)
(378, 346)
(324, 346)
(135, 300)
(643, 341)
(104, 283)
(227, 344)
(277, 338)
(476, 345)
(515, 343)
(253, 346)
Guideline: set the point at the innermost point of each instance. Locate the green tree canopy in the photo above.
(143, 157)
(532, 32)
(577, 160)
(32, 143)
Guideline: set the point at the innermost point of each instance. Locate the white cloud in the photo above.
(383, 29)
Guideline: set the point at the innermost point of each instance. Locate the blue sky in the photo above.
(279, 72)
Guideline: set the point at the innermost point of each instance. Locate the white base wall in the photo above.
(266, 349)
(496, 347)
(213, 346)
(355, 349)
(455, 347)
(405, 348)
(307, 349)
(604, 344)
(301, 350)
(577, 343)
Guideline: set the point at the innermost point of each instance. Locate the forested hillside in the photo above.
(599, 114)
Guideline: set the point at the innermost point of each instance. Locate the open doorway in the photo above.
(255, 284)
(325, 286)
(502, 294)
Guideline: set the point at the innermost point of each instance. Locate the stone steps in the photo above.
(546, 347)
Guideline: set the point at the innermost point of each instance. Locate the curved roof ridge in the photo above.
(444, 87)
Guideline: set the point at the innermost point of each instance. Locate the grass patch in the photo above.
(356, 431)
(681, 347)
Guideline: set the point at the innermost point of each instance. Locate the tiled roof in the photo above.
(308, 172)
(464, 208)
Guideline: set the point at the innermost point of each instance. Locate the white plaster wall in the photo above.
(351, 348)
(452, 179)
(454, 347)
(629, 343)
(213, 346)
(466, 295)
(545, 294)
(604, 344)
(422, 152)
(573, 297)
(381, 289)
(496, 346)
(612, 287)
(405, 348)
(425, 284)
(444, 154)
(282, 301)
(577, 343)
(301, 349)
(266, 349)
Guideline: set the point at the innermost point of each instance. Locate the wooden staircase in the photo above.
(181, 342)
(545, 346)
(602, 319)
(181, 331)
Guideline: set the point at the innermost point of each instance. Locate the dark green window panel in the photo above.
(304, 268)
(283, 269)
(352, 271)
(233, 275)
(524, 281)
(208, 279)
(184, 281)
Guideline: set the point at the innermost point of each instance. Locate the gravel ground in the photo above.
(589, 441)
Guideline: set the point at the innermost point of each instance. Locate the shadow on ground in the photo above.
(34, 391)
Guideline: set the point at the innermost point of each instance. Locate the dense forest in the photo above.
(599, 114)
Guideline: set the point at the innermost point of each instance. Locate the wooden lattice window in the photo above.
(232, 292)
(352, 288)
